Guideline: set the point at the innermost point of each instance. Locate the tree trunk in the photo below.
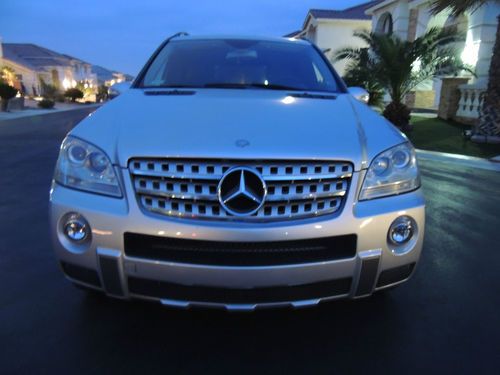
(489, 122)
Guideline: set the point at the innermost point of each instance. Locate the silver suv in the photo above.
(238, 173)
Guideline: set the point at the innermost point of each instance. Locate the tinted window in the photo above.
(240, 63)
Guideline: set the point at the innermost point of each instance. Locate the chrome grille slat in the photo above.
(188, 187)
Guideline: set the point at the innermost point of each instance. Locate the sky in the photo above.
(122, 34)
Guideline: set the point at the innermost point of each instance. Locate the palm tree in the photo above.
(400, 66)
(457, 7)
(489, 122)
(358, 73)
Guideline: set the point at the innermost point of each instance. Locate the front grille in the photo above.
(240, 253)
(188, 187)
(165, 290)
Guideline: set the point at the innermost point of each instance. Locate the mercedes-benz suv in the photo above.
(238, 173)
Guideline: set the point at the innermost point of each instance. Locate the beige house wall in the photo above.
(334, 34)
(30, 78)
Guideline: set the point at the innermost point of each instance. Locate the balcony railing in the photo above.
(471, 100)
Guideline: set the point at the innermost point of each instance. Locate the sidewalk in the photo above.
(31, 109)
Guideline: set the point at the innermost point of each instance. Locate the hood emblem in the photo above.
(242, 191)
(242, 143)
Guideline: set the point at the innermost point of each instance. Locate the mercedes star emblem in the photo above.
(242, 191)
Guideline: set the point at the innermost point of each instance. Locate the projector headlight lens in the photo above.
(85, 167)
(393, 172)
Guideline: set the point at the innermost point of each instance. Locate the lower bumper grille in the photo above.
(82, 274)
(240, 253)
(164, 290)
(394, 275)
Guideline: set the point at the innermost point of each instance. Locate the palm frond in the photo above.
(457, 7)
(346, 53)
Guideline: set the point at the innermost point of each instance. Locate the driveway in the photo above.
(445, 320)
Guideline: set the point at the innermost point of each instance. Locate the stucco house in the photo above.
(410, 19)
(108, 77)
(331, 30)
(32, 64)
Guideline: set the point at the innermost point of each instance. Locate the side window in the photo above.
(155, 75)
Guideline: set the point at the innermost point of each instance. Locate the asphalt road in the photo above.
(445, 320)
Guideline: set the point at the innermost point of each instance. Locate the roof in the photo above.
(104, 74)
(75, 59)
(33, 56)
(238, 37)
(381, 4)
(354, 13)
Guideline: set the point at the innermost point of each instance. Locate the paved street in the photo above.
(445, 320)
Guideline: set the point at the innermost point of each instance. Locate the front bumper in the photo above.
(102, 263)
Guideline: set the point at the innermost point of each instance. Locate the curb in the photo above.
(48, 112)
(464, 160)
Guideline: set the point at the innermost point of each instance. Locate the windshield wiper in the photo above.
(171, 87)
(275, 87)
(226, 85)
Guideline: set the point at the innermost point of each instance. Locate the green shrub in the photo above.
(49, 91)
(46, 103)
(6, 93)
(73, 94)
(60, 98)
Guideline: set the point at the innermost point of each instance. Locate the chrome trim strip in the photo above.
(214, 177)
(115, 255)
(244, 307)
(363, 256)
(110, 253)
(270, 197)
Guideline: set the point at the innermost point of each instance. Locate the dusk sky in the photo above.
(121, 34)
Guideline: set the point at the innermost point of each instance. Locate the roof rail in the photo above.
(176, 35)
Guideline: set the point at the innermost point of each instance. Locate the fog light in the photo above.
(76, 228)
(401, 230)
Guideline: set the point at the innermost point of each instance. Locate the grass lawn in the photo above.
(434, 134)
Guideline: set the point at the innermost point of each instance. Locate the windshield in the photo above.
(240, 64)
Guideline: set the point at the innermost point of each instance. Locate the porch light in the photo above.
(66, 83)
(470, 54)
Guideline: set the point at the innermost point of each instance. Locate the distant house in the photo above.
(331, 30)
(33, 65)
(108, 77)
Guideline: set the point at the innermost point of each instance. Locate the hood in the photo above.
(238, 124)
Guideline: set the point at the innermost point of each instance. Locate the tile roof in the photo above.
(33, 56)
(354, 13)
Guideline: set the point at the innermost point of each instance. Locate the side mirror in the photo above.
(360, 94)
(118, 88)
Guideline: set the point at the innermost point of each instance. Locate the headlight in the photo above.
(394, 171)
(85, 167)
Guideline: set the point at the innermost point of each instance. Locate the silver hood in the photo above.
(210, 123)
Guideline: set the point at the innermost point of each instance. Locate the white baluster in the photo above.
(461, 103)
(470, 101)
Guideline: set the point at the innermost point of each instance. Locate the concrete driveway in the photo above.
(445, 320)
